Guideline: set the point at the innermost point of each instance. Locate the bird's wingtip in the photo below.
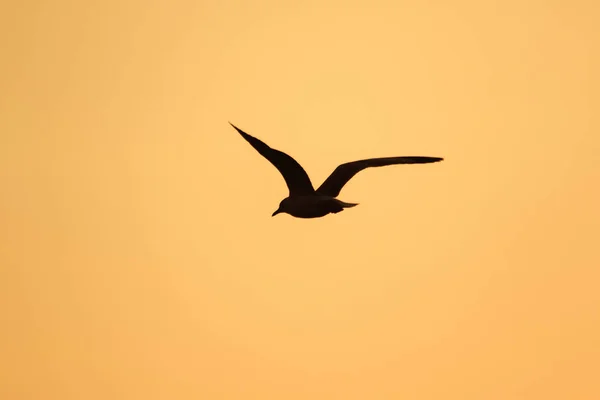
(234, 127)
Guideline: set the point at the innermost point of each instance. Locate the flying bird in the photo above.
(303, 200)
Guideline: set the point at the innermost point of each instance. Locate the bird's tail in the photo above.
(347, 205)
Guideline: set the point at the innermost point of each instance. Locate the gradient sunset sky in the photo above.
(138, 255)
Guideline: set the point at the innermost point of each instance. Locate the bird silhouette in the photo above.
(303, 200)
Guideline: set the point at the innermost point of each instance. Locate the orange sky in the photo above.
(138, 257)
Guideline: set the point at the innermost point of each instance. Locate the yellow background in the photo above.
(138, 257)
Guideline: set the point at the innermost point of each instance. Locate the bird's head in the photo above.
(283, 206)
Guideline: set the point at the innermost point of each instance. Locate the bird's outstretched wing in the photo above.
(295, 176)
(343, 173)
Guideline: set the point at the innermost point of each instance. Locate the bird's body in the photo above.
(306, 202)
(313, 206)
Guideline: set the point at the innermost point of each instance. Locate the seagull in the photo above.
(303, 200)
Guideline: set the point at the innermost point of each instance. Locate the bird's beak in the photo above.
(276, 212)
